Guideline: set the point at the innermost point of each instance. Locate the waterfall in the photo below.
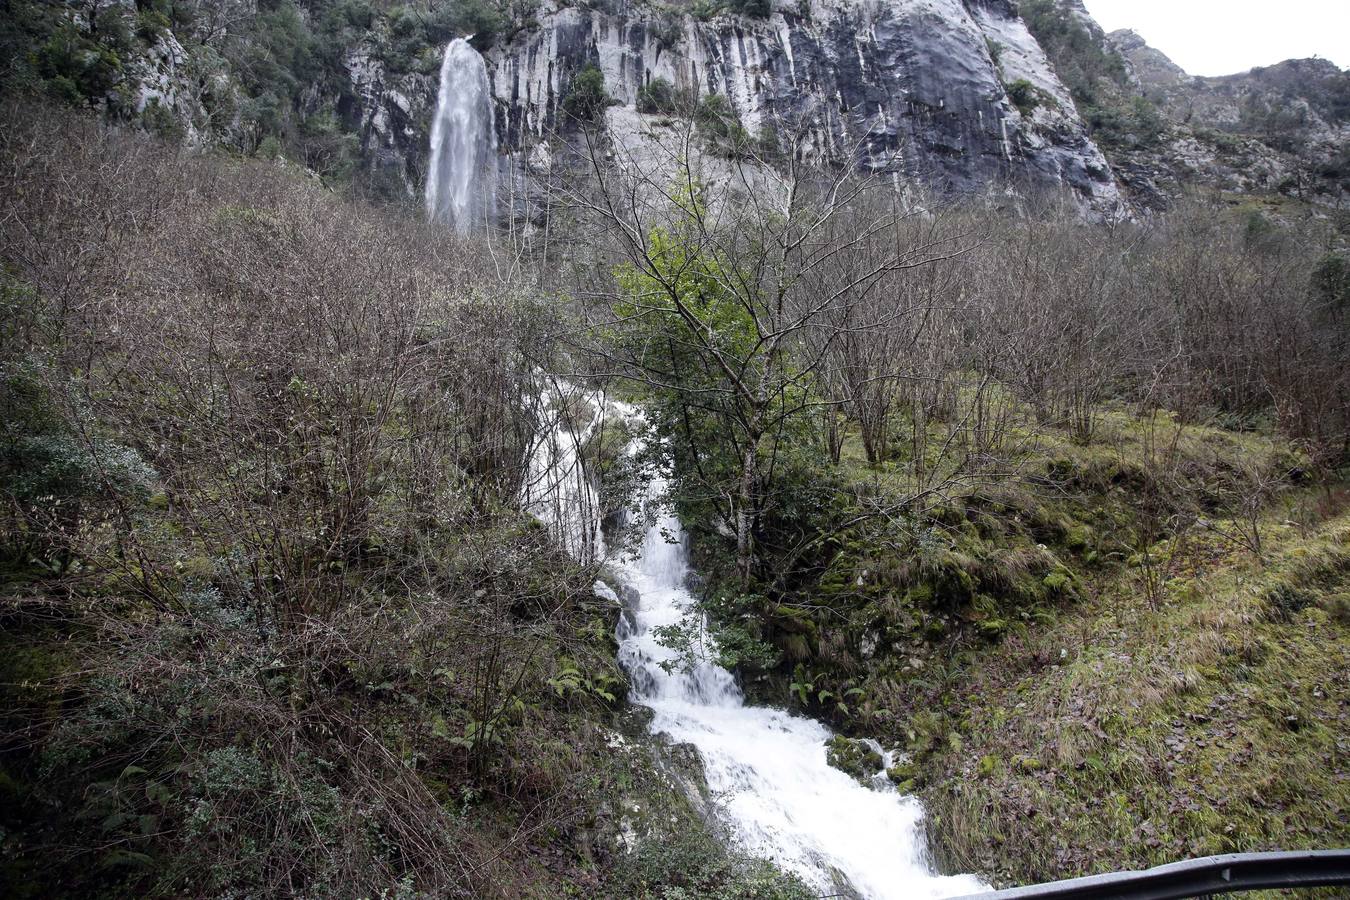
(781, 798)
(461, 180)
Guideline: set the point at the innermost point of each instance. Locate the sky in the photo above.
(1222, 37)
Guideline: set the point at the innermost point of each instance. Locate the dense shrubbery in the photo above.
(659, 96)
(721, 127)
(1023, 95)
(754, 9)
(586, 101)
(272, 621)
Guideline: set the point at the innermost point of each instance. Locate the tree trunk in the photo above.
(745, 509)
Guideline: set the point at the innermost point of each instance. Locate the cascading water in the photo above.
(780, 796)
(461, 178)
(767, 768)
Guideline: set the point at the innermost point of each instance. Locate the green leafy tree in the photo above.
(726, 307)
(586, 99)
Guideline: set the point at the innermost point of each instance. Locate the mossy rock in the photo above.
(1061, 583)
(920, 595)
(793, 619)
(853, 757)
(904, 773)
(951, 584)
(1079, 538)
(993, 629)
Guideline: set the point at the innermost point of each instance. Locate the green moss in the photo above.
(993, 629)
(903, 773)
(1206, 725)
(1079, 538)
(853, 757)
(1059, 582)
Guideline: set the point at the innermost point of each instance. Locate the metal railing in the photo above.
(1196, 878)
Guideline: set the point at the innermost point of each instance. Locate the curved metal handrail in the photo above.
(1196, 878)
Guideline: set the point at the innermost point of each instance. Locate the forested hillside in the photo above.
(273, 621)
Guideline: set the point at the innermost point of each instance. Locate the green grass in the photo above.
(1125, 736)
(1089, 667)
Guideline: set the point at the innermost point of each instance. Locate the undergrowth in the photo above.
(1131, 734)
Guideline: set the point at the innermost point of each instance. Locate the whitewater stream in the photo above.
(767, 767)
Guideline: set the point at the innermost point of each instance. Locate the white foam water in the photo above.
(461, 176)
(767, 767)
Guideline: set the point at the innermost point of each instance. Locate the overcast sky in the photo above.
(1221, 37)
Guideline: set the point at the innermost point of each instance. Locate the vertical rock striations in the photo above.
(921, 87)
(953, 94)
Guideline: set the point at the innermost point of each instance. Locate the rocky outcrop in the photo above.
(963, 96)
(1282, 128)
(911, 87)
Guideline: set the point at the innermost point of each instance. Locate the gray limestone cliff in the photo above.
(960, 96)
(955, 94)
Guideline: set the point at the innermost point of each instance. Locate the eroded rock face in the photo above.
(905, 86)
(1282, 128)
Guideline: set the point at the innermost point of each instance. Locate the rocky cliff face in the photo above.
(953, 93)
(960, 95)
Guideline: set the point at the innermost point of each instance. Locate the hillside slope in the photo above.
(1213, 719)
(271, 621)
(956, 95)
(1281, 129)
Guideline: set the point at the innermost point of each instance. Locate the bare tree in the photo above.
(735, 282)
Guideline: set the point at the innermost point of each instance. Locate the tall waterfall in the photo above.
(461, 180)
(781, 797)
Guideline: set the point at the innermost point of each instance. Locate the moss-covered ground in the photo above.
(1133, 733)
(1122, 652)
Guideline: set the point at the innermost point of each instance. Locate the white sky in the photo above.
(1222, 37)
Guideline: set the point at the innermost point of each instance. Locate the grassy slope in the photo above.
(1057, 720)
(1126, 735)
